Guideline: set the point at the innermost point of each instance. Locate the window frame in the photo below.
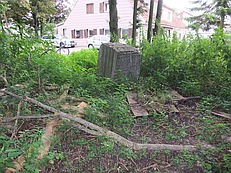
(88, 9)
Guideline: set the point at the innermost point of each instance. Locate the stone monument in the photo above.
(119, 60)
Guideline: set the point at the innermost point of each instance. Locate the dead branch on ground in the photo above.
(99, 131)
(221, 114)
(178, 97)
(27, 117)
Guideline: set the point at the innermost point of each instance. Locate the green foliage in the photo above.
(26, 58)
(212, 13)
(114, 37)
(194, 65)
(84, 58)
(43, 13)
(18, 51)
(8, 152)
(61, 69)
(27, 145)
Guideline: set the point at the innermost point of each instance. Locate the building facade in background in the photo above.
(91, 17)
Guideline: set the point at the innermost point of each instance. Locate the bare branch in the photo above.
(99, 131)
(27, 117)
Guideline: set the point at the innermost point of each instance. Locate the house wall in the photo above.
(81, 25)
(98, 22)
(167, 14)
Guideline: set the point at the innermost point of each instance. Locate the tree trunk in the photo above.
(35, 23)
(222, 21)
(149, 36)
(224, 5)
(134, 23)
(113, 23)
(158, 17)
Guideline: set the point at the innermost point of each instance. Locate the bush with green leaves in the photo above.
(27, 59)
(193, 65)
(86, 58)
(18, 50)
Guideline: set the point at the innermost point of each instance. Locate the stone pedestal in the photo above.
(116, 60)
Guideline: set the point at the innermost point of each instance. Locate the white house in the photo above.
(91, 17)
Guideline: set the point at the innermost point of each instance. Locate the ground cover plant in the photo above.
(198, 69)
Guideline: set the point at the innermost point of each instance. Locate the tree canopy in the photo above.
(35, 13)
(212, 13)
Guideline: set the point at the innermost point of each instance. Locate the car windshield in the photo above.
(62, 37)
(48, 37)
(105, 38)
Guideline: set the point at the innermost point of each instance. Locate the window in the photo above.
(107, 32)
(94, 31)
(91, 32)
(106, 7)
(169, 32)
(64, 31)
(78, 34)
(101, 31)
(103, 7)
(85, 33)
(90, 8)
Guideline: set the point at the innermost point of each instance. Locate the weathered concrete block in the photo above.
(116, 59)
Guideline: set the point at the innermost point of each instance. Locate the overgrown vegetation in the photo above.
(193, 67)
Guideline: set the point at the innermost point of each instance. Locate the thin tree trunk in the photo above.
(35, 23)
(223, 5)
(158, 17)
(134, 23)
(149, 34)
(222, 21)
(113, 23)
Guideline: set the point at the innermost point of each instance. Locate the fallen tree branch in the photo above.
(27, 117)
(187, 98)
(96, 130)
(179, 97)
(221, 114)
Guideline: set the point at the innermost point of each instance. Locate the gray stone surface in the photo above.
(116, 59)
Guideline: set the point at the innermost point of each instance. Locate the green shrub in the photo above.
(86, 58)
(18, 50)
(194, 65)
